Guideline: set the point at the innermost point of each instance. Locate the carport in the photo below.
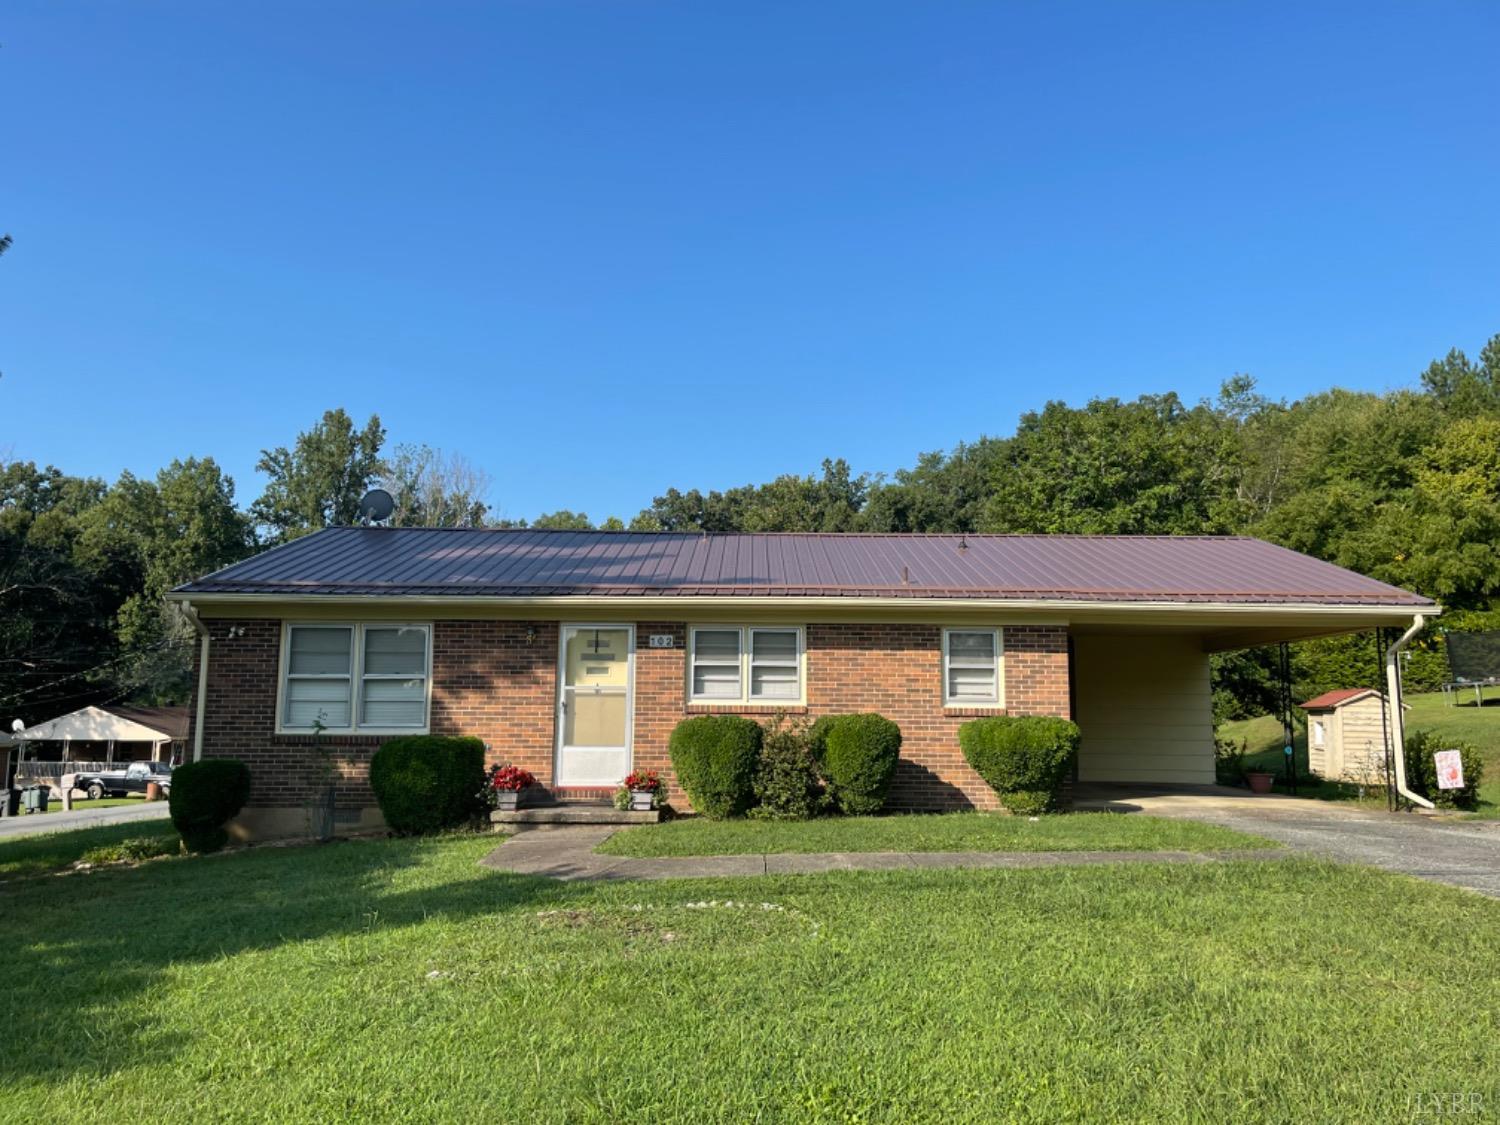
(1143, 696)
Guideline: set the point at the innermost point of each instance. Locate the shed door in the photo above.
(594, 704)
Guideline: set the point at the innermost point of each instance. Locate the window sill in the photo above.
(746, 708)
(973, 710)
(342, 738)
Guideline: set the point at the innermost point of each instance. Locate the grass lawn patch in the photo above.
(82, 804)
(398, 980)
(1479, 725)
(52, 851)
(944, 832)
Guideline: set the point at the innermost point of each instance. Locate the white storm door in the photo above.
(595, 704)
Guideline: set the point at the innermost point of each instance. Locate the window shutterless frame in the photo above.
(964, 658)
(755, 674)
(356, 677)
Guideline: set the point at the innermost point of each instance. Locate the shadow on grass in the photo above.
(80, 947)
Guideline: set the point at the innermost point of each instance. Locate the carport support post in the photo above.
(1287, 732)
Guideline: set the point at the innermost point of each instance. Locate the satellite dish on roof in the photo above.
(17, 725)
(376, 506)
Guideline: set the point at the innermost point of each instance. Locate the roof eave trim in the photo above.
(585, 601)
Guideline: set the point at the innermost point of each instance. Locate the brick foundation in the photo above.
(488, 680)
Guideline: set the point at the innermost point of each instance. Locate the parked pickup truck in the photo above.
(117, 783)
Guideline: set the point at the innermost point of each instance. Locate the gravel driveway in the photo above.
(1444, 850)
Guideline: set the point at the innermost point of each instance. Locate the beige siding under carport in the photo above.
(1145, 709)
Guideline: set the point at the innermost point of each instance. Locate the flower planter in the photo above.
(506, 800)
(1260, 782)
(642, 800)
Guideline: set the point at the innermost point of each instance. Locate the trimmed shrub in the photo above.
(1024, 759)
(786, 778)
(204, 797)
(857, 756)
(714, 757)
(1421, 770)
(427, 782)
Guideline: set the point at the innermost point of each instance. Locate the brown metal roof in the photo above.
(377, 561)
(174, 722)
(1331, 699)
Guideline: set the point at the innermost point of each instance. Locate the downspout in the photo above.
(1398, 722)
(201, 688)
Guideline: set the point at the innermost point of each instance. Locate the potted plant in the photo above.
(1260, 780)
(642, 791)
(503, 785)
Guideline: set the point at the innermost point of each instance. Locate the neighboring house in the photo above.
(99, 736)
(575, 653)
(1346, 735)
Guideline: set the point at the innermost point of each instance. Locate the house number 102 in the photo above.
(662, 640)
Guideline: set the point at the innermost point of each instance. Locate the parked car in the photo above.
(133, 778)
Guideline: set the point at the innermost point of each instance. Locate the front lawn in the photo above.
(1429, 711)
(950, 832)
(398, 980)
(51, 850)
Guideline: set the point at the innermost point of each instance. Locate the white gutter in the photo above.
(191, 614)
(1398, 724)
(855, 603)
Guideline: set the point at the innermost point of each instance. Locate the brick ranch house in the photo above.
(575, 653)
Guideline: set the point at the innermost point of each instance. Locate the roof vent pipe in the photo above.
(1398, 723)
(905, 577)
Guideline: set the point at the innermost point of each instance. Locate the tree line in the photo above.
(1402, 485)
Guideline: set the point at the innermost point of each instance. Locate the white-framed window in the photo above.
(972, 668)
(352, 678)
(1319, 732)
(745, 664)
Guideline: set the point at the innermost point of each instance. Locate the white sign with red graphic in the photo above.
(1450, 769)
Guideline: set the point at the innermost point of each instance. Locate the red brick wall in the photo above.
(490, 682)
(895, 670)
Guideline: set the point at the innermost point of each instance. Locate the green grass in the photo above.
(48, 851)
(398, 980)
(952, 832)
(81, 804)
(1481, 726)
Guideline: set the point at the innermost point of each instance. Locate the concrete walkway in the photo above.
(1441, 849)
(568, 853)
(81, 817)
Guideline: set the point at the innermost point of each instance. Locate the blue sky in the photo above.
(603, 249)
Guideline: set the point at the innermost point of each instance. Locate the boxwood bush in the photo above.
(204, 797)
(715, 758)
(1024, 759)
(786, 777)
(1421, 770)
(426, 782)
(857, 757)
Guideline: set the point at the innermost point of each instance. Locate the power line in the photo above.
(161, 646)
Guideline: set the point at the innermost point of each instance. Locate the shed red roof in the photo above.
(377, 561)
(1331, 699)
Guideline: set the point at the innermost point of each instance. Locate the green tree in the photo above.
(1463, 387)
(563, 520)
(942, 492)
(55, 621)
(320, 480)
(1151, 466)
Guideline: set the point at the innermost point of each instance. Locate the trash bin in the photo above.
(12, 802)
(35, 797)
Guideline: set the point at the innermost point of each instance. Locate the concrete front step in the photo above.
(572, 813)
